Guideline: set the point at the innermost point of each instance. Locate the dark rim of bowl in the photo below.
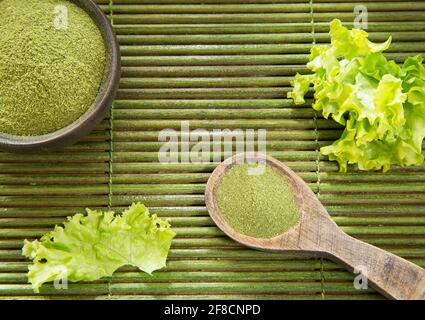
(96, 113)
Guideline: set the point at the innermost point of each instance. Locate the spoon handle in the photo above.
(391, 275)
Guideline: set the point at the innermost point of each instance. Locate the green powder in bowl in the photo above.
(50, 69)
(260, 206)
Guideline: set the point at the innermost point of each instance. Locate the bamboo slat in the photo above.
(218, 65)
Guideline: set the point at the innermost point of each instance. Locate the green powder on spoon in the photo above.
(49, 76)
(260, 206)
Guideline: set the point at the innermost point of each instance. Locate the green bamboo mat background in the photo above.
(218, 64)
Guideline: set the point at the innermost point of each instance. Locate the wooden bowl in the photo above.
(96, 113)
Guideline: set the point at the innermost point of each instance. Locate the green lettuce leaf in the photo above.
(353, 43)
(380, 104)
(89, 247)
(301, 86)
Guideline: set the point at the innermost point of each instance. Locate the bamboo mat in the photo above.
(218, 64)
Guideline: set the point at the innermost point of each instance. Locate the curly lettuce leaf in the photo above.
(89, 247)
(379, 103)
(301, 85)
(353, 43)
(415, 120)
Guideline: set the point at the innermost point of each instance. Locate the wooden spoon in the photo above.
(318, 235)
